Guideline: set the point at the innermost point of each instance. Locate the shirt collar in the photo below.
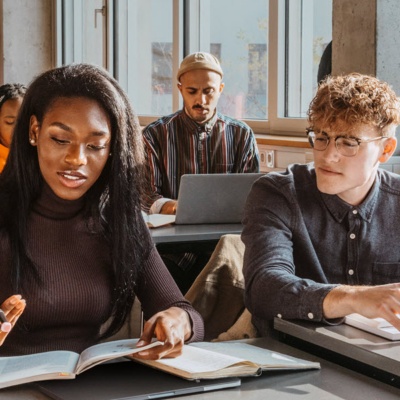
(206, 127)
(339, 208)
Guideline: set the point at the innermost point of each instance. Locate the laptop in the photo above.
(128, 380)
(213, 198)
(363, 351)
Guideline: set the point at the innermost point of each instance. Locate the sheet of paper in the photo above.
(100, 352)
(196, 360)
(157, 220)
(262, 357)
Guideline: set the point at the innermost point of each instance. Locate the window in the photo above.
(161, 78)
(82, 31)
(161, 68)
(144, 60)
(256, 106)
(306, 39)
(269, 51)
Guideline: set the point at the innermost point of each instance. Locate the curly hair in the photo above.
(355, 99)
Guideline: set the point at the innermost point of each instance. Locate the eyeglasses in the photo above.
(346, 146)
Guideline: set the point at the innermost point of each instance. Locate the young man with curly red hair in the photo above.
(322, 239)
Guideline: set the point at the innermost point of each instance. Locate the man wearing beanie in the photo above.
(195, 140)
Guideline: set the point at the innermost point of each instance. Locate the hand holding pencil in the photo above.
(10, 311)
(5, 325)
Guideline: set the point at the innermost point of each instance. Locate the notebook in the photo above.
(377, 326)
(378, 354)
(128, 380)
(213, 198)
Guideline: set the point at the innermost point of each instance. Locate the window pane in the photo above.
(147, 54)
(94, 34)
(308, 30)
(238, 37)
(161, 69)
(82, 33)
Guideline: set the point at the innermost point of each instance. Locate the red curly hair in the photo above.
(355, 99)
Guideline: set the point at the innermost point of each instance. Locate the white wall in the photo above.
(27, 39)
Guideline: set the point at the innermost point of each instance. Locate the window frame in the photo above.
(196, 34)
(191, 32)
(277, 123)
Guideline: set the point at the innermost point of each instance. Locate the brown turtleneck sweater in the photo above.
(68, 309)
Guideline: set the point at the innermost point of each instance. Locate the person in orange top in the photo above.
(11, 95)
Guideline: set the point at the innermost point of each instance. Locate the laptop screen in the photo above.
(213, 198)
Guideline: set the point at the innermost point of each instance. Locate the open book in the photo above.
(211, 360)
(62, 364)
(377, 326)
(198, 361)
(156, 220)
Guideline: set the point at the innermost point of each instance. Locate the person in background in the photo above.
(11, 95)
(321, 240)
(74, 248)
(195, 140)
(325, 64)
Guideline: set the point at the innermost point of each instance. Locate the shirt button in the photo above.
(352, 236)
(279, 315)
(351, 272)
(310, 315)
(355, 212)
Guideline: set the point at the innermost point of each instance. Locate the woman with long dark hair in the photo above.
(74, 248)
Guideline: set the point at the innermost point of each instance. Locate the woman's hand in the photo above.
(172, 327)
(13, 307)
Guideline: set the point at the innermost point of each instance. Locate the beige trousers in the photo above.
(218, 293)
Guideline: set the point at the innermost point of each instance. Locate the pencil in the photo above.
(5, 325)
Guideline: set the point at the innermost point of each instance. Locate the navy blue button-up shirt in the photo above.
(301, 243)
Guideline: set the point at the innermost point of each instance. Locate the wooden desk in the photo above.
(191, 238)
(331, 382)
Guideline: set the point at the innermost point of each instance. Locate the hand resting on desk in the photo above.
(169, 207)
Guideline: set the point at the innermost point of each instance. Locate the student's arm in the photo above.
(271, 226)
(169, 316)
(249, 157)
(271, 236)
(12, 307)
(153, 198)
(381, 301)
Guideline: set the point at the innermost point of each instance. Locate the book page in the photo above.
(157, 220)
(109, 350)
(266, 359)
(376, 326)
(20, 369)
(195, 360)
(373, 322)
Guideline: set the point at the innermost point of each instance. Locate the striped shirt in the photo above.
(177, 145)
